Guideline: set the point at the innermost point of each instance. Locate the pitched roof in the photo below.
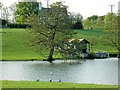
(70, 40)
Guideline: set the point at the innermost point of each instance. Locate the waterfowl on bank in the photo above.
(51, 80)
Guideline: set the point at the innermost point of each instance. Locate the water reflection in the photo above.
(102, 71)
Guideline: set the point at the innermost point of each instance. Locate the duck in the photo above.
(51, 80)
(38, 80)
(60, 80)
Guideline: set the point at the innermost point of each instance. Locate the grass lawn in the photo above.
(33, 84)
(14, 47)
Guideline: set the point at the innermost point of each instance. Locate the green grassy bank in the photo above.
(97, 38)
(33, 84)
(14, 47)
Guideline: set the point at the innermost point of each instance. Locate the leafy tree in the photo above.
(12, 10)
(87, 24)
(1, 5)
(6, 13)
(94, 17)
(94, 22)
(72, 49)
(112, 29)
(50, 29)
(100, 22)
(76, 20)
(24, 10)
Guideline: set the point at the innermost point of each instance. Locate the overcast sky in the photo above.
(85, 7)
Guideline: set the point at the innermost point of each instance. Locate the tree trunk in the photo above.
(50, 57)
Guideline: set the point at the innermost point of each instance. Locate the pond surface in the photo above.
(98, 71)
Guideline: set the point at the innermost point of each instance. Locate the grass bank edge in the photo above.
(34, 84)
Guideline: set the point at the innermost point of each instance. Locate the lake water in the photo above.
(98, 71)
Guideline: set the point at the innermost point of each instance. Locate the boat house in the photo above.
(84, 44)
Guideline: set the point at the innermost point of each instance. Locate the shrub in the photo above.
(18, 25)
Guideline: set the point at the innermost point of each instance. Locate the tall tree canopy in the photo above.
(111, 25)
(6, 13)
(51, 29)
(24, 10)
(1, 5)
(76, 20)
(94, 22)
(94, 17)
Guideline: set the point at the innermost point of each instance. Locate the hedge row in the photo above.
(18, 25)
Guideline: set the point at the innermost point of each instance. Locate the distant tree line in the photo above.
(19, 13)
(94, 22)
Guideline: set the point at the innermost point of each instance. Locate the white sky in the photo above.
(85, 7)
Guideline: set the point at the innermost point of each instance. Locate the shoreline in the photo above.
(42, 84)
(55, 59)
